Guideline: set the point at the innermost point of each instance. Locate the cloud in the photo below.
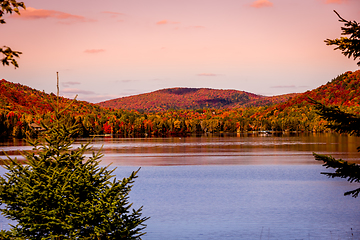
(261, 4)
(115, 15)
(124, 81)
(67, 84)
(100, 98)
(88, 96)
(335, 1)
(163, 22)
(207, 75)
(284, 86)
(127, 80)
(77, 91)
(94, 50)
(34, 14)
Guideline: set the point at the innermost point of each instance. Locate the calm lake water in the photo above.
(234, 187)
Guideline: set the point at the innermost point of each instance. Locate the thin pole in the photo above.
(57, 86)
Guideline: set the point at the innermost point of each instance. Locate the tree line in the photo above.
(124, 123)
(21, 107)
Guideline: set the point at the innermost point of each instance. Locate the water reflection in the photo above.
(237, 187)
(214, 150)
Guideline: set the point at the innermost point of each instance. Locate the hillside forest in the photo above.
(24, 109)
(192, 98)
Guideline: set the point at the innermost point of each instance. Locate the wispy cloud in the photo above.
(34, 14)
(67, 84)
(127, 80)
(94, 50)
(88, 96)
(261, 4)
(124, 81)
(178, 27)
(335, 1)
(76, 91)
(113, 14)
(284, 86)
(100, 98)
(207, 75)
(164, 22)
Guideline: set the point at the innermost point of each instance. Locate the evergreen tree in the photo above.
(339, 120)
(60, 194)
(350, 46)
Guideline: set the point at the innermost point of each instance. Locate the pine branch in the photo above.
(354, 193)
(350, 46)
(339, 120)
(344, 169)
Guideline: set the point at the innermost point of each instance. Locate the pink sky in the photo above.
(114, 48)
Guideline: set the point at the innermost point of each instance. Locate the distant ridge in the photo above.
(343, 90)
(237, 111)
(23, 99)
(192, 98)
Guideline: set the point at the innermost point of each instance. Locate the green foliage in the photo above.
(351, 171)
(341, 122)
(21, 106)
(8, 7)
(60, 194)
(338, 119)
(349, 46)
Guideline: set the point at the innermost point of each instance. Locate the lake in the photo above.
(234, 186)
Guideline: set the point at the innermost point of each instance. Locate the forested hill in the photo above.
(23, 99)
(238, 111)
(342, 91)
(192, 98)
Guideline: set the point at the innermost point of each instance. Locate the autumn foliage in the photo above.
(192, 98)
(21, 105)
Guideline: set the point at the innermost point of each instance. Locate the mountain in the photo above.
(238, 111)
(23, 99)
(192, 98)
(343, 91)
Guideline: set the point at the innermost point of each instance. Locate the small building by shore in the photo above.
(36, 127)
